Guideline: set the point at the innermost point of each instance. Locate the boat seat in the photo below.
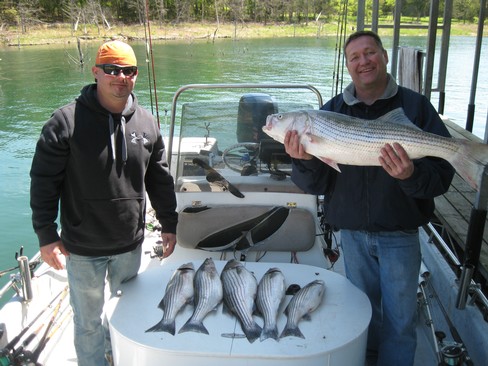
(253, 227)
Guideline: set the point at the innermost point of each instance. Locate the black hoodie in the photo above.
(99, 165)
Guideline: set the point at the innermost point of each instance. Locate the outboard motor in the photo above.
(251, 116)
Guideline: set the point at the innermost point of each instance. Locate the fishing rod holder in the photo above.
(474, 240)
(25, 277)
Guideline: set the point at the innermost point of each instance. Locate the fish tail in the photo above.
(470, 161)
(163, 326)
(193, 326)
(292, 331)
(269, 332)
(252, 332)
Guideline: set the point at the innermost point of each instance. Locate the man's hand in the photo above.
(51, 254)
(394, 159)
(293, 146)
(169, 242)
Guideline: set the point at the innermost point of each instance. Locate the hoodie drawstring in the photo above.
(111, 126)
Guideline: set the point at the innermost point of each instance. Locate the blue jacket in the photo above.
(366, 197)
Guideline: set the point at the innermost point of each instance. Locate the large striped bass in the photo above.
(336, 139)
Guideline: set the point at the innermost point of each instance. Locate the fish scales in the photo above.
(240, 287)
(208, 295)
(179, 292)
(271, 292)
(336, 139)
(304, 302)
(372, 135)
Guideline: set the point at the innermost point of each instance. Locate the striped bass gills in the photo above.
(271, 292)
(304, 302)
(178, 293)
(208, 295)
(336, 138)
(240, 288)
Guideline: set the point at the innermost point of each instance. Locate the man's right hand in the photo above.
(51, 254)
(294, 147)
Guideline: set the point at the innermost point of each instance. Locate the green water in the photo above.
(36, 80)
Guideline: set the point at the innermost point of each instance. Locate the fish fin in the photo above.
(269, 333)
(291, 331)
(313, 139)
(252, 332)
(307, 317)
(470, 161)
(193, 326)
(397, 116)
(163, 326)
(331, 163)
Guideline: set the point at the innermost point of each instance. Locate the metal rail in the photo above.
(473, 286)
(227, 86)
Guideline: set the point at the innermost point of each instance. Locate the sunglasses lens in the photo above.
(129, 71)
(115, 70)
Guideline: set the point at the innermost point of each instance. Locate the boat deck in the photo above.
(453, 209)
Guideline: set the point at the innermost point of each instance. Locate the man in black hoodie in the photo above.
(379, 209)
(96, 158)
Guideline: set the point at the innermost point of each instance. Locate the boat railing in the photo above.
(245, 86)
(20, 282)
(467, 285)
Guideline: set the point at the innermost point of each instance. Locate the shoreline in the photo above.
(57, 34)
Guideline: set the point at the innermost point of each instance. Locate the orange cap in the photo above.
(117, 53)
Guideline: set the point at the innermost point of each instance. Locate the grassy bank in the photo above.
(62, 33)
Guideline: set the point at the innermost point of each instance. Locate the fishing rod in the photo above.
(452, 353)
(21, 350)
(424, 304)
(152, 63)
(49, 325)
(9, 348)
(31, 358)
(34, 356)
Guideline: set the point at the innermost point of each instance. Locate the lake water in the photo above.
(34, 81)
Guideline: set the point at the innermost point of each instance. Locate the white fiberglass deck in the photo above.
(343, 315)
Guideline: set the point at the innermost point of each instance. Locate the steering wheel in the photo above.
(237, 156)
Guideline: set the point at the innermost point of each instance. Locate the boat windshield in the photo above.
(223, 137)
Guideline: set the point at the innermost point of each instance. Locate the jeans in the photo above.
(86, 277)
(385, 266)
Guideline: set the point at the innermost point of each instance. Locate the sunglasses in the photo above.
(115, 70)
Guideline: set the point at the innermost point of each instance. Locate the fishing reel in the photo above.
(25, 359)
(454, 354)
(5, 357)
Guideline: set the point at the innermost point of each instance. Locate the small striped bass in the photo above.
(208, 295)
(336, 138)
(240, 288)
(305, 301)
(179, 292)
(271, 292)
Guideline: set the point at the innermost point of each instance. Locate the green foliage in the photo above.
(9, 16)
(240, 11)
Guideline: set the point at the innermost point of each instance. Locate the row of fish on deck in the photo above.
(242, 295)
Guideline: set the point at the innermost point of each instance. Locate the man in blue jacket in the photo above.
(379, 209)
(97, 157)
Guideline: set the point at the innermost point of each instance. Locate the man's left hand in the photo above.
(169, 242)
(394, 159)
